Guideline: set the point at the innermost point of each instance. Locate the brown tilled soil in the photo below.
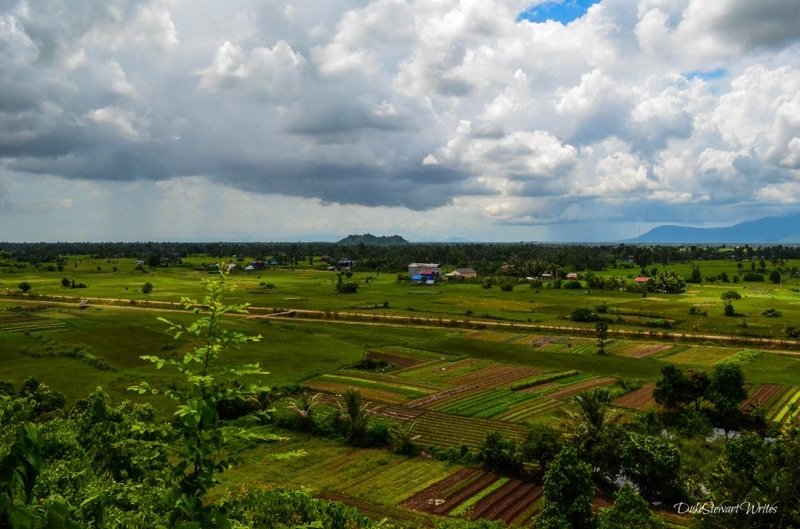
(400, 361)
(401, 413)
(506, 502)
(523, 505)
(538, 387)
(424, 402)
(574, 389)
(422, 501)
(378, 512)
(462, 495)
(640, 399)
(761, 395)
(495, 375)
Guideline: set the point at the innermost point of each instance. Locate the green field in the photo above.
(452, 362)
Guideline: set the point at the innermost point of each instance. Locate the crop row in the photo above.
(787, 407)
(337, 388)
(452, 431)
(569, 345)
(32, 325)
(406, 390)
(525, 411)
(388, 379)
(763, 395)
(638, 350)
(639, 399)
(485, 404)
(542, 379)
(478, 495)
(495, 375)
(702, 355)
(442, 372)
(420, 355)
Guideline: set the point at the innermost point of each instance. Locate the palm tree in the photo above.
(304, 410)
(403, 440)
(588, 423)
(354, 416)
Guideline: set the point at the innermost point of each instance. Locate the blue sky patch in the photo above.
(707, 75)
(564, 11)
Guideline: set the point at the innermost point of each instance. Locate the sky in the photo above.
(485, 120)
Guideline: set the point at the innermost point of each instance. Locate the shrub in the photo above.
(583, 314)
(147, 288)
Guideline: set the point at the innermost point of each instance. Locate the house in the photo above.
(424, 271)
(464, 273)
(546, 275)
(641, 279)
(258, 265)
(572, 276)
(346, 264)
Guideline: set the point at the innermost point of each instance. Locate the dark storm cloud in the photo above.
(762, 23)
(416, 188)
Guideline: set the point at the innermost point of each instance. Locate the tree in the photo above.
(304, 410)
(582, 314)
(592, 416)
(775, 277)
(670, 390)
(728, 297)
(199, 460)
(696, 387)
(629, 511)
(147, 288)
(24, 287)
(653, 464)
(353, 419)
(501, 454)
(541, 445)
(568, 493)
(403, 440)
(65, 283)
(601, 330)
(726, 388)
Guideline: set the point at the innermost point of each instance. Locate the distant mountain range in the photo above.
(768, 230)
(369, 239)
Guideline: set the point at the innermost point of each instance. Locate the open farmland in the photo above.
(447, 371)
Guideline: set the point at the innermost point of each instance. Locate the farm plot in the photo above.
(763, 395)
(565, 344)
(452, 431)
(378, 512)
(786, 407)
(374, 381)
(642, 350)
(24, 323)
(478, 494)
(495, 375)
(523, 413)
(496, 336)
(485, 404)
(701, 355)
(383, 396)
(639, 399)
(580, 387)
(550, 396)
(402, 356)
(442, 372)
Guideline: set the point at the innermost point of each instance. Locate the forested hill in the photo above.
(769, 230)
(368, 238)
